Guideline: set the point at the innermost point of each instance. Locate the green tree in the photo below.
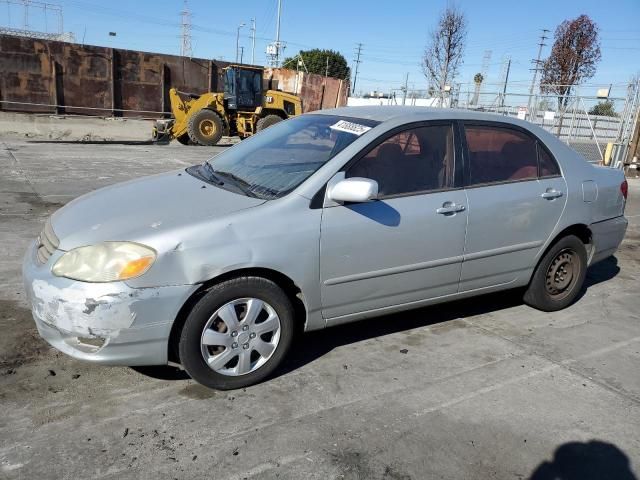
(320, 61)
(603, 108)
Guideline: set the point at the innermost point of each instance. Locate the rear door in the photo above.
(516, 195)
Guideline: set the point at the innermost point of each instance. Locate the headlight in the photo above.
(105, 262)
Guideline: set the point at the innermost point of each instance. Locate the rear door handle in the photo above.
(448, 208)
(550, 194)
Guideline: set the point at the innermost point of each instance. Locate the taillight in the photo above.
(624, 188)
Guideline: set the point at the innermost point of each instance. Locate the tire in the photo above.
(559, 276)
(184, 139)
(242, 349)
(205, 128)
(267, 121)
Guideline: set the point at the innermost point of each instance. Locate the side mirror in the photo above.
(354, 189)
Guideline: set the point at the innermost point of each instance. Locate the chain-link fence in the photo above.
(598, 121)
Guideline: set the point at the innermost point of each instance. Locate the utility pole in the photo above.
(185, 49)
(357, 62)
(405, 88)
(238, 41)
(278, 33)
(253, 41)
(241, 53)
(537, 62)
(506, 80)
(26, 14)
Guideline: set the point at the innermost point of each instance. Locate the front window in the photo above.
(420, 159)
(277, 160)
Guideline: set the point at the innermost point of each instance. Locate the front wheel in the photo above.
(205, 128)
(559, 277)
(237, 334)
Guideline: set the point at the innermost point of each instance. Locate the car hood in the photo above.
(141, 208)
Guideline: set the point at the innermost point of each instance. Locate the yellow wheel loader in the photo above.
(241, 110)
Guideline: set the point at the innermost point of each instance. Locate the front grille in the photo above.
(47, 243)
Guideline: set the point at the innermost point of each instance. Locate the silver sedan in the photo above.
(323, 219)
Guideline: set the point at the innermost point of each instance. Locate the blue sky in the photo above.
(393, 34)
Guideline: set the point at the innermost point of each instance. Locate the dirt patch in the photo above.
(36, 201)
(21, 343)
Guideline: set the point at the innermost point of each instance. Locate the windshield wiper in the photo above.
(241, 183)
(212, 174)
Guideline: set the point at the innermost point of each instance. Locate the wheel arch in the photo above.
(293, 292)
(580, 230)
(274, 111)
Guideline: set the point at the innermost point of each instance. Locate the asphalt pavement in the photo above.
(485, 388)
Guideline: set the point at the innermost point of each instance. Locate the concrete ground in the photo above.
(480, 389)
(73, 127)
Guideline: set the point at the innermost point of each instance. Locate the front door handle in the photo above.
(551, 193)
(449, 208)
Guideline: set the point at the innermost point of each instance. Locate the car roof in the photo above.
(383, 113)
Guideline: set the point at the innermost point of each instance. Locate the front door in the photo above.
(405, 247)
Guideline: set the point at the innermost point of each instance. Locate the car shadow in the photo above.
(601, 272)
(593, 460)
(313, 345)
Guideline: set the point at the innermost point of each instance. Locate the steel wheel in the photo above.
(240, 336)
(562, 273)
(207, 128)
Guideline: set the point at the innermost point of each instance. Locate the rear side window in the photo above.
(498, 155)
(548, 166)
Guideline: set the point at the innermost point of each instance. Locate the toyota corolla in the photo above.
(326, 218)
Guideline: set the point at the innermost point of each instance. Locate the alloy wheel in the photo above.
(240, 336)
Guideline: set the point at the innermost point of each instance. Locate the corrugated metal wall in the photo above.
(58, 77)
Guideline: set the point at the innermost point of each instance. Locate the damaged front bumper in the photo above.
(106, 323)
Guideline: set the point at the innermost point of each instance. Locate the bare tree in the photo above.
(573, 59)
(443, 54)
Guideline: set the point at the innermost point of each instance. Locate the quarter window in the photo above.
(499, 155)
(548, 166)
(415, 160)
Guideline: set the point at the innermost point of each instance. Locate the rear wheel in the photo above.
(237, 334)
(559, 276)
(267, 121)
(205, 128)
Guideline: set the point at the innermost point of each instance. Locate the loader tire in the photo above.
(205, 128)
(267, 121)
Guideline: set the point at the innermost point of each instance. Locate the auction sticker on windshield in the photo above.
(350, 127)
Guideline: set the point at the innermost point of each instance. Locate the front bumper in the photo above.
(106, 323)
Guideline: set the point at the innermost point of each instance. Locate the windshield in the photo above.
(280, 158)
